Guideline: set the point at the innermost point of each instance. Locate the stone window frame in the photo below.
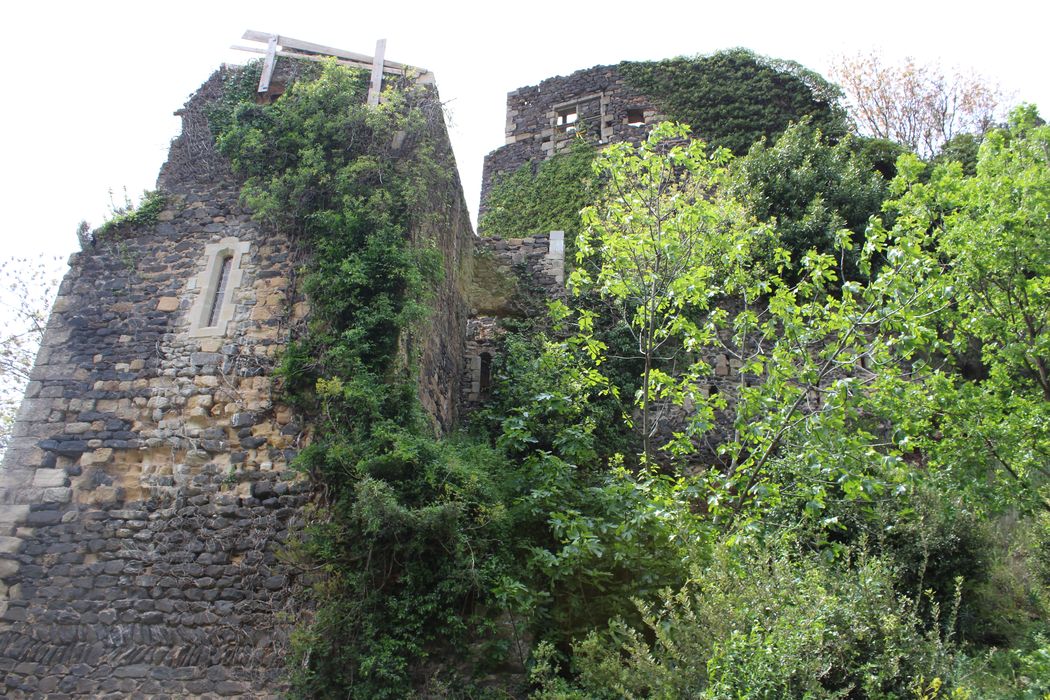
(207, 281)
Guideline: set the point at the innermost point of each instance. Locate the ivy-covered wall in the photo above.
(150, 508)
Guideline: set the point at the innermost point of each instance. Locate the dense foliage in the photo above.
(542, 198)
(868, 521)
(812, 189)
(734, 98)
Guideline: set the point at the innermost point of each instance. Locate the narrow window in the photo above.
(635, 117)
(220, 291)
(485, 378)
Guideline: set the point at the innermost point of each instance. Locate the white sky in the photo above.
(87, 100)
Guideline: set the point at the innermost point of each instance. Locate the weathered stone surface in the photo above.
(146, 495)
(606, 111)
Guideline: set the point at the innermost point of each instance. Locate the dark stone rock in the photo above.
(133, 671)
(275, 583)
(43, 517)
(205, 358)
(242, 420)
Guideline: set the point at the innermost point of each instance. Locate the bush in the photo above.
(762, 624)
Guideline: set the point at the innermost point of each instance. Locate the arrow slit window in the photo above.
(217, 285)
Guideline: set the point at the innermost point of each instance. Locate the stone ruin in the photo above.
(146, 498)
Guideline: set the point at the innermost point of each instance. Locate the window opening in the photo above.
(635, 117)
(567, 119)
(485, 375)
(220, 290)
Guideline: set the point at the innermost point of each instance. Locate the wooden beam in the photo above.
(376, 88)
(317, 58)
(299, 45)
(268, 63)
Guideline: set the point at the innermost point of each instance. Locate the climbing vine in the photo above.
(544, 197)
(397, 538)
(735, 97)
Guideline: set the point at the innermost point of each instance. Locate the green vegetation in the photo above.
(856, 513)
(406, 538)
(542, 198)
(734, 98)
(129, 215)
(666, 242)
(812, 189)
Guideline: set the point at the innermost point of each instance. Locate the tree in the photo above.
(27, 288)
(988, 235)
(917, 105)
(658, 247)
(813, 189)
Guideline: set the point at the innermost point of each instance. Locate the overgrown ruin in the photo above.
(147, 500)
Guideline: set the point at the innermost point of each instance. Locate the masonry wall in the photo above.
(511, 278)
(594, 103)
(148, 513)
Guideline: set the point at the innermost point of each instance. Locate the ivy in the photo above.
(407, 522)
(541, 198)
(733, 98)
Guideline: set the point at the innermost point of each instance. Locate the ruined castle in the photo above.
(146, 496)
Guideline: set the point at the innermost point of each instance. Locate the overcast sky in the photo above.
(90, 87)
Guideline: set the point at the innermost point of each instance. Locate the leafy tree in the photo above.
(915, 105)
(961, 148)
(735, 97)
(27, 288)
(812, 189)
(659, 245)
(988, 236)
(879, 154)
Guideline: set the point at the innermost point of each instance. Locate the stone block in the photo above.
(57, 495)
(43, 517)
(242, 420)
(16, 478)
(47, 478)
(96, 457)
(10, 545)
(205, 358)
(13, 514)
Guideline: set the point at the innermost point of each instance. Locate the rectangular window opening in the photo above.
(567, 119)
(635, 117)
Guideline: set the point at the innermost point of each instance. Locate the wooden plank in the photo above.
(376, 88)
(300, 45)
(268, 63)
(425, 78)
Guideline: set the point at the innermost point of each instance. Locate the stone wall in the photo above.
(147, 510)
(594, 103)
(442, 353)
(512, 278)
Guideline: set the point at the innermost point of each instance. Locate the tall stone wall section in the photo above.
(148, 513)
(542, 120)
(511, 278)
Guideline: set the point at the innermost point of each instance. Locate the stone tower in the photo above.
(146, 497)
